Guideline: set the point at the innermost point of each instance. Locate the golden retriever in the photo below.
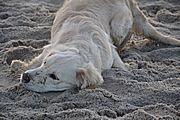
(85, 37)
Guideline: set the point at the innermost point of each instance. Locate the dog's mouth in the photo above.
(53, 76)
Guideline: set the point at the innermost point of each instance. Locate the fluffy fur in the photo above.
(85, 38)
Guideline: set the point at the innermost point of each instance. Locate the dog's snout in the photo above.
(25, 78)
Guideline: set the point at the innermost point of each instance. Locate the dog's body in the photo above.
(82, 39)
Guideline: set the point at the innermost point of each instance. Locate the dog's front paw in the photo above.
(18, 66)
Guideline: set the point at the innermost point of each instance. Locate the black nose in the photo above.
(25, 77)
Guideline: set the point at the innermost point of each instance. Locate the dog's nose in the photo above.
(25, 77)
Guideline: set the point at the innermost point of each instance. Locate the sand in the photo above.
(150, 91)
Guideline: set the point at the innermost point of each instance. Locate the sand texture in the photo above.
(150, 91)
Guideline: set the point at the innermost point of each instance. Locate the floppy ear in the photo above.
(88, 76)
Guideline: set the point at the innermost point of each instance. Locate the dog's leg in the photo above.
(121, 26)
(142, 26)
(118, 63)
(37, 61)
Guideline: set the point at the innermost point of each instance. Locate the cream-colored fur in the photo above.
(85, 37)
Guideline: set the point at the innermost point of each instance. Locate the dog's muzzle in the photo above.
(26, 77)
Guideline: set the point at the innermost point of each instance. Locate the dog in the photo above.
(85, 38)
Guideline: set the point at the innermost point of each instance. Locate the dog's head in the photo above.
(61, 71)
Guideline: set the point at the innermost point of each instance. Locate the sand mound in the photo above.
(150, 91)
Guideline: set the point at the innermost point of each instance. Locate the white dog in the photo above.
(82, 38)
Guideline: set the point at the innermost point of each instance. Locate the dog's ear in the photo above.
(88, 76)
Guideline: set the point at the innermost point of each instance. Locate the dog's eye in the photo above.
(53, 76)
(44, 62)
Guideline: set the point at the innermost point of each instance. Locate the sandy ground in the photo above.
(150, 91)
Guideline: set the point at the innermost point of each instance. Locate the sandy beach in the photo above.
(150, 91)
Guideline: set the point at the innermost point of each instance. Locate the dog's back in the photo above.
(98, 10)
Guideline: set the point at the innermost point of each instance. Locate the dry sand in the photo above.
(150, 91)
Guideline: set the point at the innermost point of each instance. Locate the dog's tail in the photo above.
(142, 26)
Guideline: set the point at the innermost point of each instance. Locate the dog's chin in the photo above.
(45, 88)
